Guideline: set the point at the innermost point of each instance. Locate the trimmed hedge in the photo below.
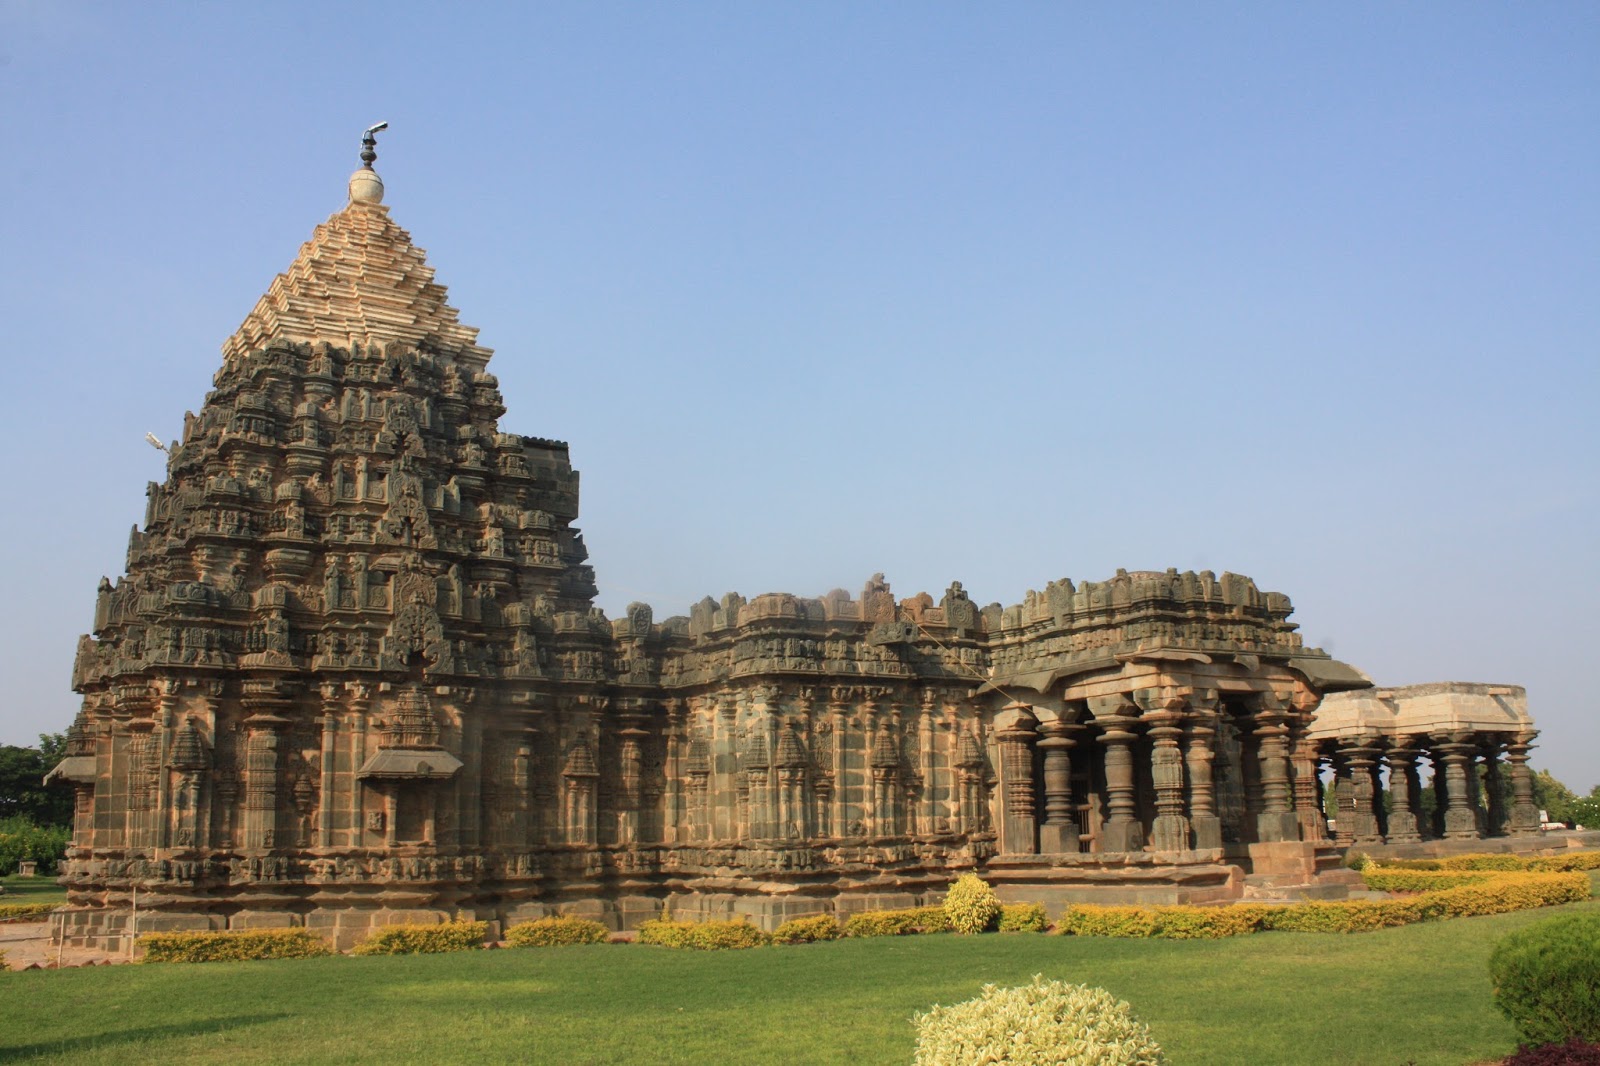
(1166, 923)
(233, 946)
(1547, 979)
(701, 936)
(1567, 863)
(1022, 918)
(11, 912)
(1580, 860)
(897, 923)
(808, 930)
(1491, 894)
(556, 932)
(423, 939)
(1383, 879)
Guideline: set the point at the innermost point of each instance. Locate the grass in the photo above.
(1418, 993)
(31, 890)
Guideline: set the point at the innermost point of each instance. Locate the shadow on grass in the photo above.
(102, 1041)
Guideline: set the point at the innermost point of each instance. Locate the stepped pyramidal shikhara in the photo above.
(354, 675)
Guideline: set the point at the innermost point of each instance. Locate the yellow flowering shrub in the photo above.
(423, 939)
(235, 946)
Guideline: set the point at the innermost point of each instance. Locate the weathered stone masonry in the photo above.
(353, 674)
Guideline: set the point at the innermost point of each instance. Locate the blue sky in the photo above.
(999, 294)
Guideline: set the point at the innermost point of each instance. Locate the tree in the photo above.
(23, 792)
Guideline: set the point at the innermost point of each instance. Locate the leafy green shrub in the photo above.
(1357, 860)
(1044, 1022)
(22, 841)
(970, 905)
(1547, 979)
(808, 930)
(556, 932)
(1022, 918)
(233, 946)
(701, 936)
(931, 919)
(25, 911)
(423, 939)
(3, 966)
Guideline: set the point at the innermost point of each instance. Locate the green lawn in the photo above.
(32, 890)
(1419, 993)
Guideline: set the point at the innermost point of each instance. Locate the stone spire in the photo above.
(360, 280)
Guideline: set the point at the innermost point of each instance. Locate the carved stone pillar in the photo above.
(360, 699)
(1163, 713)
(838, 722)
(697, 768)
(926, 814)
(1059, 833)
(520, 741)
(672, 816)
(1198, 756)
(1344, 802)
(581, 777)
(631, 787)
(1460, 818)
(1524, 812)
(1361, 755)
(1018, 829)
(1307, 786)
(141, 783)
(167, 690)
(331, 692)
(1276, 821)
(790, 763)
(968, 760)
(1405, 792)
(261, 782)
(724, 768)
(1494, 805)
(1122, 831)
(885, 762)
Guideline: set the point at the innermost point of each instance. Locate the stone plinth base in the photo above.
(1531, 844)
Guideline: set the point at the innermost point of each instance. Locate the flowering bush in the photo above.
(556, 932)
(1044, 1022)
(233, 946)
(808, 930)
(1022, 918)
(423, 939)
(701, 936)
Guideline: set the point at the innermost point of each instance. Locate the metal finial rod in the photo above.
(369, 144)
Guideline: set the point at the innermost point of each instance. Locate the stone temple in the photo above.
(354, 675)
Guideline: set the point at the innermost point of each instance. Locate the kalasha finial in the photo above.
(365, 185)
(369, 144)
